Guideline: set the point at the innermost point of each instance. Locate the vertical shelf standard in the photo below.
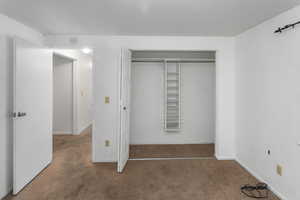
(172, 116)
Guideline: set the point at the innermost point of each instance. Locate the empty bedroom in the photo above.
(149, 99)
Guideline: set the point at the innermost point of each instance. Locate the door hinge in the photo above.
(13, 115)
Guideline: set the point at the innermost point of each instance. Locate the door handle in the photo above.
(21, 114)
(124, 108)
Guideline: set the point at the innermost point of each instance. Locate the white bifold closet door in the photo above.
(32, 115)
(124, 135)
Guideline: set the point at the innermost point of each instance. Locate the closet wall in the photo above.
(197, 100)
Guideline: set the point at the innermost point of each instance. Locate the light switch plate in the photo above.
(106, 100)
(279, 170)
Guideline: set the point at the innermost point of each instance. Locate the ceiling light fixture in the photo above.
(86, 50)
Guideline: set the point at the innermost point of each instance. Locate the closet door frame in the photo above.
(218, 75)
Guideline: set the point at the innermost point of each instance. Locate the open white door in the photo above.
(125, 76)
(32, 112)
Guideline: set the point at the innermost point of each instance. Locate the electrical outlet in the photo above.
(106, 100)
(107, 143)
(279, 170)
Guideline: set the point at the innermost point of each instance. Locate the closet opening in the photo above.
(172, 104)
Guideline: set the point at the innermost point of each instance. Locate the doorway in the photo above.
(63, 95)
(33, 107)
(72, 100)
(171, 105)
(72, 91)
(179, 120)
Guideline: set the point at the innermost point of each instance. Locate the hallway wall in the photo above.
(62, 95)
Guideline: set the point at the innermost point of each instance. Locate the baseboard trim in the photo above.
(7, 192)
(104, 161)
(282, 197)
(84, 128)
(224, 157)
(62, 133)
(179, 158)
(168, 143)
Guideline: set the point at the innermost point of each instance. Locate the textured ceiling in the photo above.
(144, 17)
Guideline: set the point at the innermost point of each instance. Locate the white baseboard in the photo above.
(6, 192)
(224, 157)
(84, 127)
(104, 161)
(62, 133)
(260, 179)
(171, 143)
(178, 158)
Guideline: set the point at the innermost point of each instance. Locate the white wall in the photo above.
(268, 103)
(83, 80)
(197, 104)
(62, 95)
(9, 28)
(106, 65)
(85, 91)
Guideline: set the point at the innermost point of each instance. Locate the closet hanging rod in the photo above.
(170, 60)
